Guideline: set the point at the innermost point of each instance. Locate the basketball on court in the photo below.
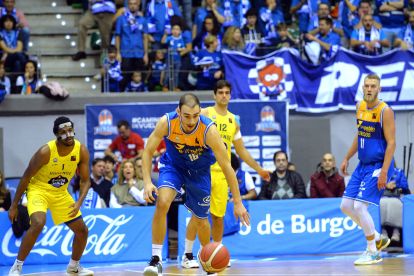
(214, 257)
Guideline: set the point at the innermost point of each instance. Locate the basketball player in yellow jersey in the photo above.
(229, 130)
(45, 181)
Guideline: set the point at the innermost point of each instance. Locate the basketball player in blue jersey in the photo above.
(375, 144)
(193, 145)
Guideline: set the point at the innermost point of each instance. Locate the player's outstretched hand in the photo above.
(382, 181)
(265, 174)
(75, 209)
(240, 211)
(344, 167)
(13, 213)
(148, 189)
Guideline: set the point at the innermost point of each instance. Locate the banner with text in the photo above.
(408, 223)
(295, 226)
(327, 87)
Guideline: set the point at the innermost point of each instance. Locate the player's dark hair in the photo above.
(235, 162)
(61, 120)
(327, 20)
(189, 100)
(251, 12)
(96, 160)
(110, 159)
(122, 123)
(111, 49)
(364, 2)
(280, 151)
(220, 84)
(323, 3)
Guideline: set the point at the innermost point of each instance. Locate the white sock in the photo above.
(377, 236)
(73, 263)
(218, 241)
(157, 250)
(372, 246)
(17, 262)
(188, 246)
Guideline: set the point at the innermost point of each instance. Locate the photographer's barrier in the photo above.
(288, 227)
(115, 235)
(408, 224)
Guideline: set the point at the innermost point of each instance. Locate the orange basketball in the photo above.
(214, 257)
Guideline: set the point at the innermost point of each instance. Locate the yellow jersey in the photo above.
(226, 126)
(57, 173)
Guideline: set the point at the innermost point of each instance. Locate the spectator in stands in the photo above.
(159, 13)
(405, 37)
(306, 11)
(4, 80)
(283, 184)
(175, 44)
(98, 182)
(5, 195)
(234, 12)
(325, 44)
(92, 199)
(364, 9)
(252, 33)
(369, 40)
(326, 181)
(324, 11)
(157, 154)
(283, 40)
(391, 14)
(270, 17)
(347, 12)
(211, 64)
(291, 166)
(411, 4)
(122, 11)
(233, 40)
(11, 44)
(210, 27)
(111, 71)
(136, 84)
(156, 72)
(28, 83)
(129, 143)
(131, 40)
(245, 180)
(110, 173)
(208, 7)
(97, 13)
(129, 191)
(20, 21)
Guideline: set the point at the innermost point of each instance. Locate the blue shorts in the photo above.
(364, 180)
(197, 187)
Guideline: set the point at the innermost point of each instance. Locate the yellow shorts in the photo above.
(58, 202)
(219, 194)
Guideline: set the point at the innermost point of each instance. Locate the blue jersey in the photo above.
(157, 67)
(371, 139)
(175, 43)
(136, 87)
(187, 151)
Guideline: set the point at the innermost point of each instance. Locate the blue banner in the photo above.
(264, 126)
(289, 227)
(327, 87)
(408, 223)
(115, 235)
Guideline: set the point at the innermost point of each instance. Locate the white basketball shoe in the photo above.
(188, 261)
(72, 270)
(15, 270)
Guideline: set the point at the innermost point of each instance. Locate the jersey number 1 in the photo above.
(362, 143)
(193, 157)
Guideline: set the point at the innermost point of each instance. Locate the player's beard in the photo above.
(370, 99)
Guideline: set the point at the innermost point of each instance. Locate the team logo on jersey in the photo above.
(267, 115)
(206, 199)
(268, 77)
(179, 146)
(360, 115)
(359, 123)
(177, 139)
(55, 160)
(73, 158)
(58, 181)
(38, 201)
(374, 116)
(196, 141)
(214, 116)
(360, 194)
(230, 121)
(105, 124)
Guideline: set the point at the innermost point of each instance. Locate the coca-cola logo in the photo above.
(108, 242)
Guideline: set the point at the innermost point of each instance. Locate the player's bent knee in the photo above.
(163, 205)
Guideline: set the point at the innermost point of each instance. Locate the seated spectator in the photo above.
(324, 11)
(270, 17)
(283, 184)
(291, 166)
(128, 143)
(129, 191)
(391, 14)
(208, 7)
(97, 13)
(156, 72)
(136, 85)
(98, 182)
(245, 180)
(28, 83)
(326, 181)
(405, 37)
(365, 9)
(234, 12)
(111, 71)
(131, 41)
(210, 27)
(347, 12)
(210, 62)
(21, 22)
(5, 195)
(252, 33)
(92, 199)
(175, 44)
(369, 40)
(305, 11)
(157, 154)
(4, 81)
(283, 40)
(325, 44)
(110, 173)
(11, 44)
(233, 40)
(158, 16)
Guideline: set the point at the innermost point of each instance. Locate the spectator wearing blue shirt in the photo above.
(364, 9)
(234, 12)
(405, 37)
(208, 7)
(270, 17)
(157, 70)
(305, 11)
(347, 11)
(136, 85)
(211, 64)
(283, 40)
(368, 40)
(391, 14)
(111, 71)
(131, 40)
(159, 13)
(210, 27)
(175, 42)
(324, 11)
